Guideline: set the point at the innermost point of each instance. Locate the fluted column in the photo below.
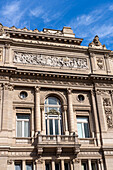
(95, 117)
(70, 112)
(107, 63)
(37, 110)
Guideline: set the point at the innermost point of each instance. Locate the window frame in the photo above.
(23, 124)
(82, 120)
(49, 116)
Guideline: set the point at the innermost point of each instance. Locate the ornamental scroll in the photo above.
(53, 61)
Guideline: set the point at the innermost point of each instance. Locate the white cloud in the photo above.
(97, 22)
(37, 12)
(11, 13)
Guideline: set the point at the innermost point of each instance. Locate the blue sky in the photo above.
(87, 18)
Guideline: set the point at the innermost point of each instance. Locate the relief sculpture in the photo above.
(53, 61)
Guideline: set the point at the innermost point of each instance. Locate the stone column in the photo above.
(53, 165)
(93, 61)
(65, 124)
(107, 63)
(70, 112)
(112, 96)
(37, 110)
(89, 164)
(102, 118)
(77, 164)
(23, 165)
(62, 164)
(95, 117)
(43, 121)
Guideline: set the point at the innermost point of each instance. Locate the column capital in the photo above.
(8, 86)
(69, 90)
(37, 89)
(64, 108)
(92, 54)
(106, 55)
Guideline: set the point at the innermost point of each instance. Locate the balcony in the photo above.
(60, 143)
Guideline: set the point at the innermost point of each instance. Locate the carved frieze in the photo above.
(52, 61)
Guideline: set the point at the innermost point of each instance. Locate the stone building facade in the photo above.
(56, 101)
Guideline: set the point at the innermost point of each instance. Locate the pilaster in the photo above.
(95, 117)
(107, 63)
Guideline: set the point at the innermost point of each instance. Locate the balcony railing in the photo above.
(57, 139)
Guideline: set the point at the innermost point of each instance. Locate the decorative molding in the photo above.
(37, 89)
(8, 86)
(52, 61)
(100, 63)
(9, 162)
(106, 102)
(96, 43)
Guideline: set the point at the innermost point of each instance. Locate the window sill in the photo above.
(91, 141)
(25, 140)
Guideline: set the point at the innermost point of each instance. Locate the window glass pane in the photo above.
(22, 116)
(79, 127)
(57, 167)
(66, 166)
(56, 127)
(19, 128)
(17, 166)
(29, 167)
(52, 100)
(86, 129)
(46, 128)
(46, 110)
(94, 166)
(51, 126)
(26, 129)
(47, 167)
(84, 166)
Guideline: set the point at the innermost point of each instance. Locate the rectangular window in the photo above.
(83, 127)
(94, 165)
(47, 166)
(18, 166)
(84, 166)
(66, 166)
(57, 166)
(22, 125)
(29, 166)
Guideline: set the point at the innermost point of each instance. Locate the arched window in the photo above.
(53, 116)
